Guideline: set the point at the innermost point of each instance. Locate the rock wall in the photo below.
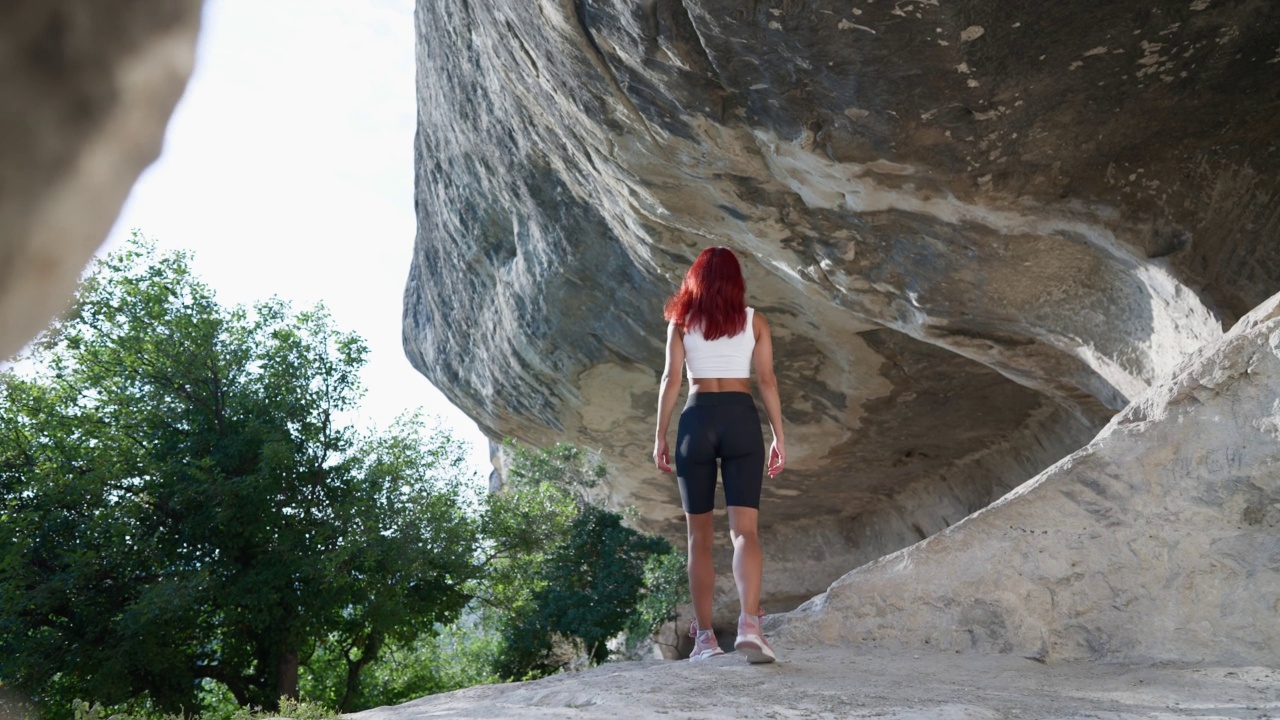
(1160, 540)
(87, 89)
(978, 229)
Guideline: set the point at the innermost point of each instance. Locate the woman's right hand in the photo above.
(777, 457)
(660, 456)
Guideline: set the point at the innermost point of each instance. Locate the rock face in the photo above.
(87, 90)
(1159, 541)
(978, 230)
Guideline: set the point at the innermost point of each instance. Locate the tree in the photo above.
(181, 502)
(457, 656)
(565, 575)
(413, 557)
(524, 522)
(591, 585)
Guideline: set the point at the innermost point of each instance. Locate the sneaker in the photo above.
(751, 640)
(705, 645)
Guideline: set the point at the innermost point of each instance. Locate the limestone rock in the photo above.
(978, 230)
(833, 683)
(87, 90)
(1159, 541)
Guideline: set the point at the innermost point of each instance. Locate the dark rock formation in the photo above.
(86, 90)
(978, 229)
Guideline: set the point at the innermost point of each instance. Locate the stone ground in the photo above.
(836, 682)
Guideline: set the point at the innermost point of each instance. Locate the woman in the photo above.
(719, 339)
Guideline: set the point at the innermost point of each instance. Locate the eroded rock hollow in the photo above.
(978, 230)
(1156, 542)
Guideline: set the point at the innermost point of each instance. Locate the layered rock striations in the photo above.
(86, 91)
(978, 230)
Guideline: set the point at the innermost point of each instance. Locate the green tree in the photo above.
(666, 586)
(454, 657)
(591, 585)
(524, 522)
(181, 501)
(564, 575)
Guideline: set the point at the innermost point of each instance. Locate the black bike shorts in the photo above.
(720, 426)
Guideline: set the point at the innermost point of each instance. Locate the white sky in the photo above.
(288, 170)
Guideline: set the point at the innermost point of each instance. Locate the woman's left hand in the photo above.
(777, 457)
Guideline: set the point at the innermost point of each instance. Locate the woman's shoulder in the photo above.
(758, 322)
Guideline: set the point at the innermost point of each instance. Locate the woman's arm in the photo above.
(762, 358)
(668, 395)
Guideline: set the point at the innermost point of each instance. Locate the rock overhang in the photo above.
(972, 255)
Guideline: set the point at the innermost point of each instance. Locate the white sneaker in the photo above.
(705, 645)
(751, 640)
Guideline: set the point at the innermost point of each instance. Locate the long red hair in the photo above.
(712, 296)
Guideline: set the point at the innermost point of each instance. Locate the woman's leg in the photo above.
(748, 563)
(702, 576)
(696, 475)
(742, 465)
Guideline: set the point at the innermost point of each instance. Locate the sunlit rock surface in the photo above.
(86, 90)
(978, 230)
(1159, 541)
(857, 683)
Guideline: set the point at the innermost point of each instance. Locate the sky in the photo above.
(287, 170)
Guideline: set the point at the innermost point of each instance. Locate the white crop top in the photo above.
(724, 357)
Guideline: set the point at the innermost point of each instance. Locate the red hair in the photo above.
(712, 296)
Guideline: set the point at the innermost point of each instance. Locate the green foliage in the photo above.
(179, 502)
(565, 576)
(288, 708)
(591, 583)
(524, 522)
(666, 586)
(562, 466)
(455, 657)
(562, 578)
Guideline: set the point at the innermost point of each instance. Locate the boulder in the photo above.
(978, 231)
(87, 90)
(1158, 541)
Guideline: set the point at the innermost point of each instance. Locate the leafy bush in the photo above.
(288, 708)
(568, 576)
(453, 657)
(666, 587)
